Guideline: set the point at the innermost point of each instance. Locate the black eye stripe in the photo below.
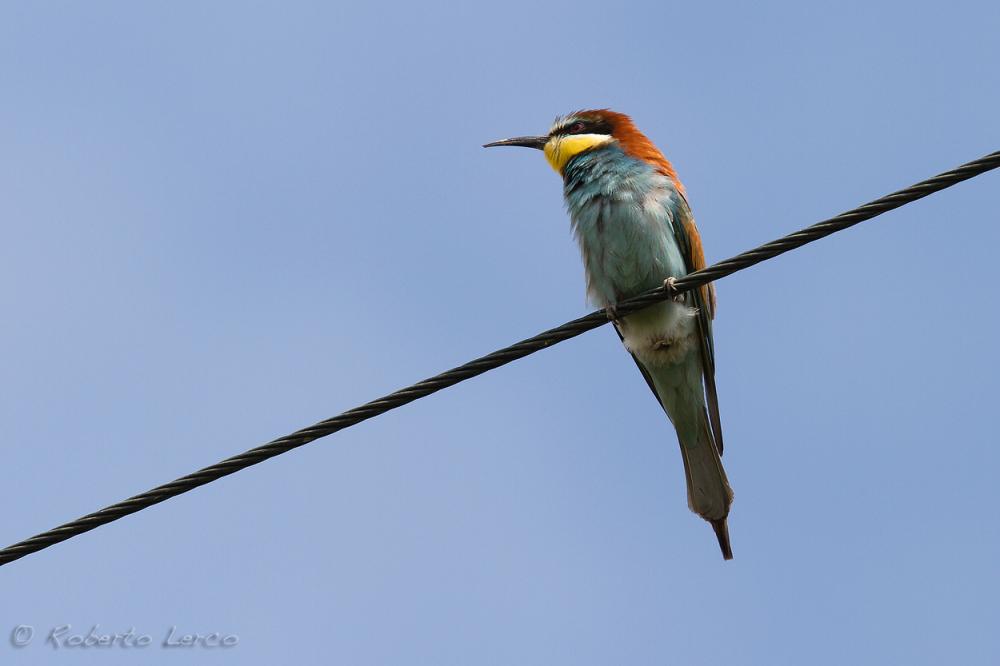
(585, 127)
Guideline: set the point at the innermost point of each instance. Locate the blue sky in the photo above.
(224, 221)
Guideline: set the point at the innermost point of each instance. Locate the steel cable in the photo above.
(495, 360)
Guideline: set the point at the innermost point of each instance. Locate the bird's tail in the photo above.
(709, 495)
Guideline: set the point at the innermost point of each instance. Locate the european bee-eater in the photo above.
(630, 215)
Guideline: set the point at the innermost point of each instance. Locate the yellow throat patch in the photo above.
(561, 149)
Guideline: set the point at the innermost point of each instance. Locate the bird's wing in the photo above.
(689, 241)
(703, 299)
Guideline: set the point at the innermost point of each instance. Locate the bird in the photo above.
(630, 216)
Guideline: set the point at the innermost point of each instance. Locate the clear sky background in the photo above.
(224, 221)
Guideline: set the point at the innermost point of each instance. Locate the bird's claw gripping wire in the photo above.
(670, 286)
(612, 312)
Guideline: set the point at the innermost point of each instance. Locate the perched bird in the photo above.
(631, 218)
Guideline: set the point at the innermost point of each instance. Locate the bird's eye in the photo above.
(577, 127)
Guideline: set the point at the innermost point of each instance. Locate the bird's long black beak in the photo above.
(526, 141)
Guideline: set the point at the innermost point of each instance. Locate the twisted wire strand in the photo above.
(495, 359)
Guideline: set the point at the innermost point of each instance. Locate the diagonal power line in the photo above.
(495, 360)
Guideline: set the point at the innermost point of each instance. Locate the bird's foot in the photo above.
(612, 312)
(670, 285)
